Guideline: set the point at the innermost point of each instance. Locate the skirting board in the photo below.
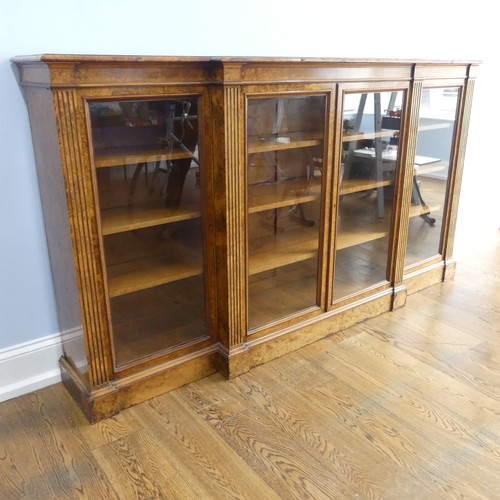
(30, 366)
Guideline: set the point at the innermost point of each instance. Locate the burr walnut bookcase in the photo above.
(211, 214)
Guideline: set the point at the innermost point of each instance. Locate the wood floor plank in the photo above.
(283, 421)
(109, 430)
(71, 428)
(388, 424)
(430, 377)
(430, 337)
(305, 372)
(205, 460)
(338, 450)
(394, 440)
(51, 467)
(259, 442)
(475, 446)
(211, 391)
(439, 303)
(274, 458)
(454, 365)
(140, 469)
(404, 372)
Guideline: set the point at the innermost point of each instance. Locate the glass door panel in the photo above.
(369, 164)
(285, 145)
(436, 132)
(147, 168)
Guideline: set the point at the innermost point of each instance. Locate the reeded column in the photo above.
(84, 234)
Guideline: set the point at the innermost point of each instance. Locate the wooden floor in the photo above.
(403, 406)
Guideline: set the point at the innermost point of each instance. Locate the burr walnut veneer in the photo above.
(211, 214)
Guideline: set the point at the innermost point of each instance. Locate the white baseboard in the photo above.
(30, 366)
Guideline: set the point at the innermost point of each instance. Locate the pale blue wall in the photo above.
(194, 27)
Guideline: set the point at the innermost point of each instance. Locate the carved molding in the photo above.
(402, 232)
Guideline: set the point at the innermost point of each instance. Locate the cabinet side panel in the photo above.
(53, 197)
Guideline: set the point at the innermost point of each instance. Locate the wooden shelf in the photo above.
(112, 157)
(283, 194)
(177, 262)
(118, 220)
(349, 186)
(359, 136)
(416, 210)
(287, 248)
(297, 140)
(357, 236)
(295, 246)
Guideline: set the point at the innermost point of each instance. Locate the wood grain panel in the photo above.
(434, 71)
(311, 72)
(54, 204)
(109, 71)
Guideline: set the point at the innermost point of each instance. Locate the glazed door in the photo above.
(285, 159)
(149, 173)
(432, 168)
(369, 163)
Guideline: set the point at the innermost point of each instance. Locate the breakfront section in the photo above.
(337, 184)
(124, 162)
(209, 215)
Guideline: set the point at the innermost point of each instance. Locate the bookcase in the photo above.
(211, 214)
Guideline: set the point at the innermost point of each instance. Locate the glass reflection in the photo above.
(370, 161)
(435, 138)
(284, 175)
(148, 180)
